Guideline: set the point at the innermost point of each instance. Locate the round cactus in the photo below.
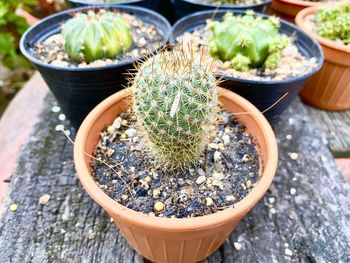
(93, 36)
(247, 41)
(334, 23)
(176, 107)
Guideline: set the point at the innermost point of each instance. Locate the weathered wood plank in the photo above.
(314, 221)
(335, 126)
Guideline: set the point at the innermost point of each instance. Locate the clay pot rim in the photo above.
(175, 224)
(122, 8)
(300, 19)
(300, 3)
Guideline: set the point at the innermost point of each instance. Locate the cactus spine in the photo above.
(93, 36)
(176, 107)
(247, 41)
(334, 23)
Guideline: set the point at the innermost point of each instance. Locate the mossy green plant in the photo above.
(96, 35)
(247, 41)
(334, 23)
(176, 107)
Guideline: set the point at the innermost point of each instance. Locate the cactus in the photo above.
(334, 23)
(247, 41)
(176, 107)
(93, 36)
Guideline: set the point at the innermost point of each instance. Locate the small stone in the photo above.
(273, 211)
(288, 252)
(124, 122)
(117, 123)
(13, 207)
(293, 191)
(271, 200)
(227, 130)
(230, 198)
(201, 179)
(62, 117)
(218, 176)
(213, 146)
(288, 137)
(111, 219)
(226, 139)
(286, 245)
(221, 147)
(44, 199)
(156, 193)
(217, 156)
(110, 129)
(125, 197)
(237, 245)
(130, 132)
(245, 158)
(324, 158)
(158, 206)
(249, 184)
(91, 234)
(55, 109)
(293, 156)
(201, 172)
(59, 127)
(67, 132)
(123, 136)
(148, 179)
(209, 201)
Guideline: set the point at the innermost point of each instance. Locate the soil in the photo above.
(223, 175)
(145, 36)
(291, 65)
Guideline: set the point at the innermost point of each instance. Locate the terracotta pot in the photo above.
(330, 88)
(288, 9)
(168, 239)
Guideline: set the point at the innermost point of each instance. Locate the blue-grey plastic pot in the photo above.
(186, 7)
(163, 7)
(262, 93)
(79, 90)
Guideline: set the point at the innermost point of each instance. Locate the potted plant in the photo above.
(171, 163)
(257, 56)
(186, 7)
(84, 54)
(288, 9)
(330, 26)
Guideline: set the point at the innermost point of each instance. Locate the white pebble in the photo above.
(67, 132)
(226, 139)
(273, 211)
(237, 245)
(293, 156)
(62, 117)
(293, 191)
(271, 200)
(286, 245)
(55, 109)
(130, 132)
(59, 127)
(289, 137)
(230, 198)
(217, 156)
(288, 252)
(213, 146)
(209, 201)
(117, 123)
(201, 172)
(201, 179)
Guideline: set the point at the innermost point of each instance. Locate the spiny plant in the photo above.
(176, 107)
(91, 36)
(334, 23)
(247, 41)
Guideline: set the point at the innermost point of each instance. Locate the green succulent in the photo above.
(334, 23)
(175, 103)
(247, 41)
(93, 36)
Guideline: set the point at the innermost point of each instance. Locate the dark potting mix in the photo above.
(223, 175)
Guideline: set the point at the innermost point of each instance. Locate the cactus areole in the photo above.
(247, 41)
(91, 36)
(176, 107)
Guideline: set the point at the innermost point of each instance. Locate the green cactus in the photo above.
(176, 107)
(334, 23)
(247, 41)
(93, 36)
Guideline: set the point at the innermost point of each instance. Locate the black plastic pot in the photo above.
(186, 7)
(78, 90)
(163, 7)
(262, 93)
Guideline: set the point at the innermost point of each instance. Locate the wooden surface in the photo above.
(16, 125)
(335, 126)
(305, 217)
